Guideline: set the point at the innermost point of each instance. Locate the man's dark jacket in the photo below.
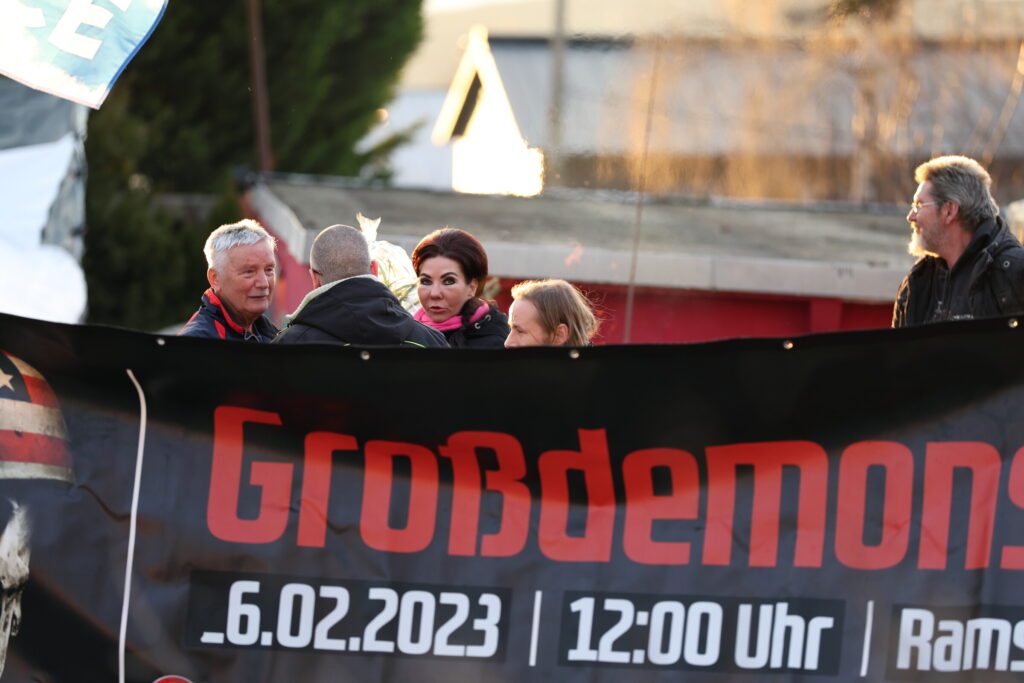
(358, 311)
(987, 281)
(213, 320)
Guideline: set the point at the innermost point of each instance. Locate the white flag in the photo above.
(73, 49)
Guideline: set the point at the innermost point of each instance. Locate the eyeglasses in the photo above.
(917, 206)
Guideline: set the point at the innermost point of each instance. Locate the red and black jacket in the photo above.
(213, 320)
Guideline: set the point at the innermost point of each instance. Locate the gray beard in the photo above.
(916, 247)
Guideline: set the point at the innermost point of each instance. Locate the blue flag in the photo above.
(73, 49)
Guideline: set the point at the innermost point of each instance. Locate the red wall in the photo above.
(679, 316)
(663, 315)
(293, 283)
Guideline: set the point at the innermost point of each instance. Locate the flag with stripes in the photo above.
(33, 438)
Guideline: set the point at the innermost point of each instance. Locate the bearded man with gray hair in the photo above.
(970, 265)
(242, 270)
(348, 304)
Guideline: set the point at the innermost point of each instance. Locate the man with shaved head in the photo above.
(348, 304)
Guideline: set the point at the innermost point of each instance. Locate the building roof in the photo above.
(837, 251)
(439, 52)
(713, 98)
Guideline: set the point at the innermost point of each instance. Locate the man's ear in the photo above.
(314, 278)
(561, 334)
(953, 213)
(374, 268)
(211, 277)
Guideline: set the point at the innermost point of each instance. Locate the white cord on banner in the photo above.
(131, 527)
(536, 628)
(867, 639)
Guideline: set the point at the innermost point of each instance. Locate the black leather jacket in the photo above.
(987, 281)
(359, 311)
(489, 332)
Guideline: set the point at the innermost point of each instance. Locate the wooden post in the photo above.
(260, 101)
(553, 157)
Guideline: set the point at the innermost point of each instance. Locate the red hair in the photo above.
(459, 246)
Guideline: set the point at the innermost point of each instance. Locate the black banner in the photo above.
(835, 507)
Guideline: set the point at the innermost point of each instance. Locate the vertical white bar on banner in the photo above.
(129, 564)
(535, 632)
(866, 656)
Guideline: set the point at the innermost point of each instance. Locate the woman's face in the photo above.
(524, 328)
(443, 288)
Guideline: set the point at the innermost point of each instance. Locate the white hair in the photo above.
(246, 231)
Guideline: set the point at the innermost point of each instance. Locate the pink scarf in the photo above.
(452, 323)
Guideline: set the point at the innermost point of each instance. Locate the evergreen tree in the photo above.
(330, 66)
(180, 120)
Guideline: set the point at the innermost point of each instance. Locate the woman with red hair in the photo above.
(451, 266)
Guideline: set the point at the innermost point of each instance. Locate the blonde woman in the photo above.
(549, 313)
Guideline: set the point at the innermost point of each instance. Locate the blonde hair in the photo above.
(559, 303)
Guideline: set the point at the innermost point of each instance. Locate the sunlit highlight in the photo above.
(489, 154)
(487, 162)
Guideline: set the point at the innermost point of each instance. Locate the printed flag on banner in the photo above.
(73, 49)
(32, 432)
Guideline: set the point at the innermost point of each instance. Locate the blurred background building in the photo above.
(759, 153)
(702, 270)
(738, 99)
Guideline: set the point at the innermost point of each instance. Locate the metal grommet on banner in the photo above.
(160, 341)
(1013, 323)
(574, 354)
(788, 344)
(365, 355)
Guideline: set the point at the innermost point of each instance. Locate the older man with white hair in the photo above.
(241, 270)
